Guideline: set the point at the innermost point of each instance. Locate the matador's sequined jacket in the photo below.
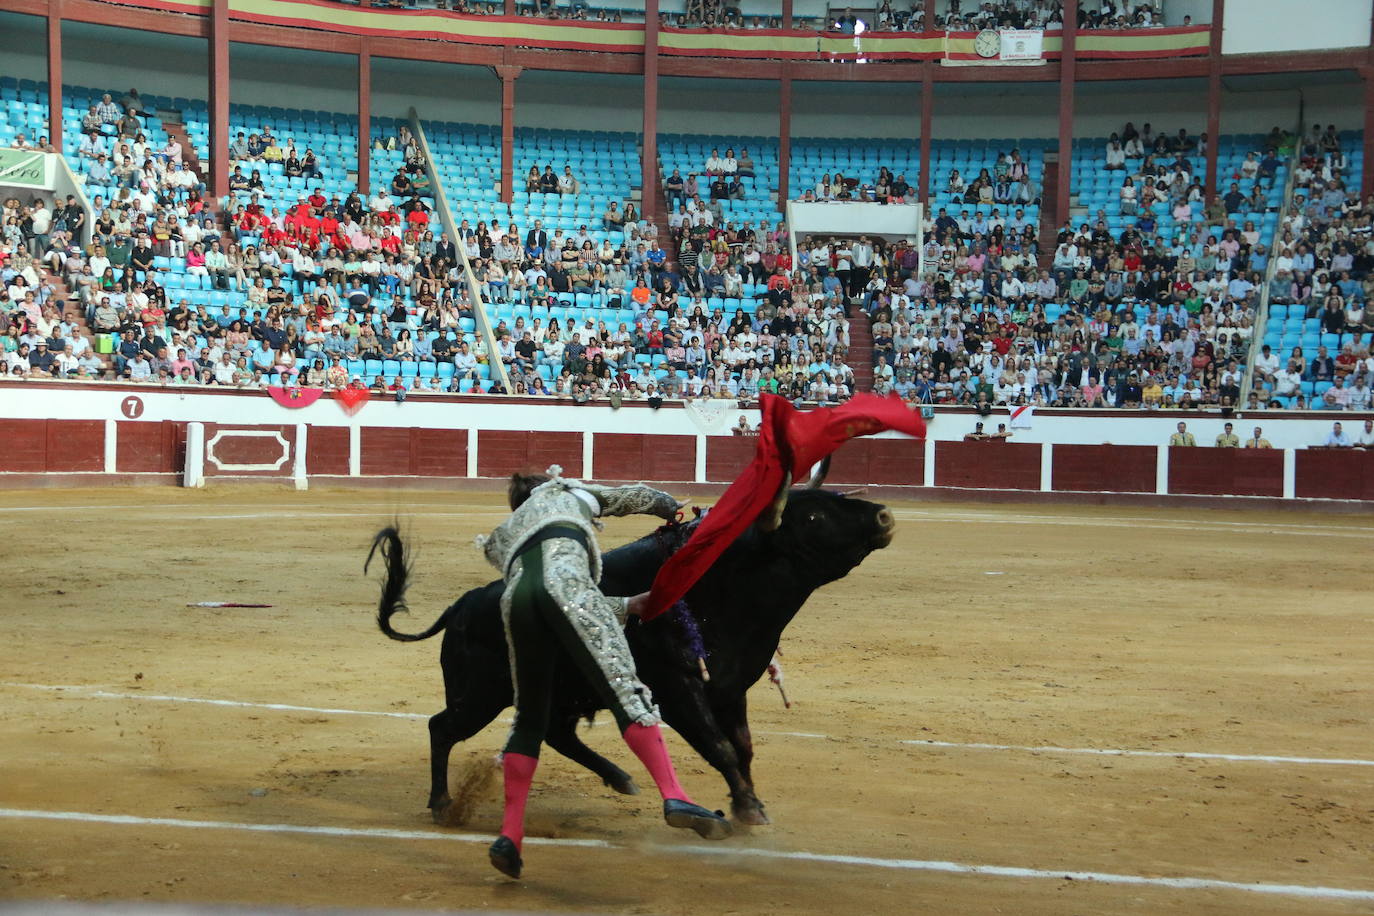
(554, 503)
(571, 574)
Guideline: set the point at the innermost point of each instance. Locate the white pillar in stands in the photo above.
(355, 451)
(1290, 474)
(699, 472)
(298, 469)
(928, 477)
(588, 453)
(472, 453)
(1046, 467)
(193, 474)
(1162, 470)
(111, 446)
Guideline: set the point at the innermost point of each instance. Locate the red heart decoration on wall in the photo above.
(294, 397)
(352, 399)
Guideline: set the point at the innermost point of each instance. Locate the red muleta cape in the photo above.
(789, 440)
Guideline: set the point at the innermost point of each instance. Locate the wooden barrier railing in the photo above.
(87, 449)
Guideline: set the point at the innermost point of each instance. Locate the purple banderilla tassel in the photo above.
(691, 633)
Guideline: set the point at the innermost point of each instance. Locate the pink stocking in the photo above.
(647, 743)
(519, 773)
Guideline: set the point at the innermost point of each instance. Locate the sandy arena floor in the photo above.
(1038, 630)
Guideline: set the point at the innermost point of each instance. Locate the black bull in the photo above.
(741, 606)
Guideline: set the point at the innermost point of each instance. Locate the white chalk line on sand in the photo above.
(1125, 752)
(100, 694)
(1305, 891)
(97, 694)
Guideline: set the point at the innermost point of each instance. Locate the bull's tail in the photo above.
(397, 579)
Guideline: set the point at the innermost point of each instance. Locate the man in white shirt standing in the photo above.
(1365, 437)
(861, 256)
(42, 224)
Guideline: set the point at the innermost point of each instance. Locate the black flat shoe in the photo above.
(505, 857)
(709, 825)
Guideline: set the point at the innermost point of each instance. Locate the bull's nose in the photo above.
(885, 520)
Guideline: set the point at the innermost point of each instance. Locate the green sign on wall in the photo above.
(25, 168)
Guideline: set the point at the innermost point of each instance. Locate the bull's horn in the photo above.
(818, 478)
(771, 517)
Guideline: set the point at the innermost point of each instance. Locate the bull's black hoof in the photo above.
(622, 784)
(505, 858)
(752, 815)
(709, 825)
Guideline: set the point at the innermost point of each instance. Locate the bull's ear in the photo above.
(771, 517)
(818, 478)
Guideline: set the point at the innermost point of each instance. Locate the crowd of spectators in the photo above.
(720, 178)
(714, 309)
(550, 182)
(1132, 318)
(333, 281)
(38, 336)
(1337, 438)
(1007, 183)
(884, 16)
(114, 151)
(1324, 266)
(1044, 14)
(882, 188)
(681, 339)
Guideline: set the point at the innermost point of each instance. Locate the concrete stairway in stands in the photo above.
(73, 310)
(860, 355)
(661, 211)
(177, 131)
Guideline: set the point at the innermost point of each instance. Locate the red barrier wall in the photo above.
(1334, 474)
(37, 446)
(988, 465)
(326, 450)
(1226, 471)
(501, 452)
(384, 451)
(889, 462)
(439, 452)
(398, 452)
(1104, 468)
(25, 446)
(150, 447)
(52, 446)
(628, 456)
(726, 456)
(76, 445)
